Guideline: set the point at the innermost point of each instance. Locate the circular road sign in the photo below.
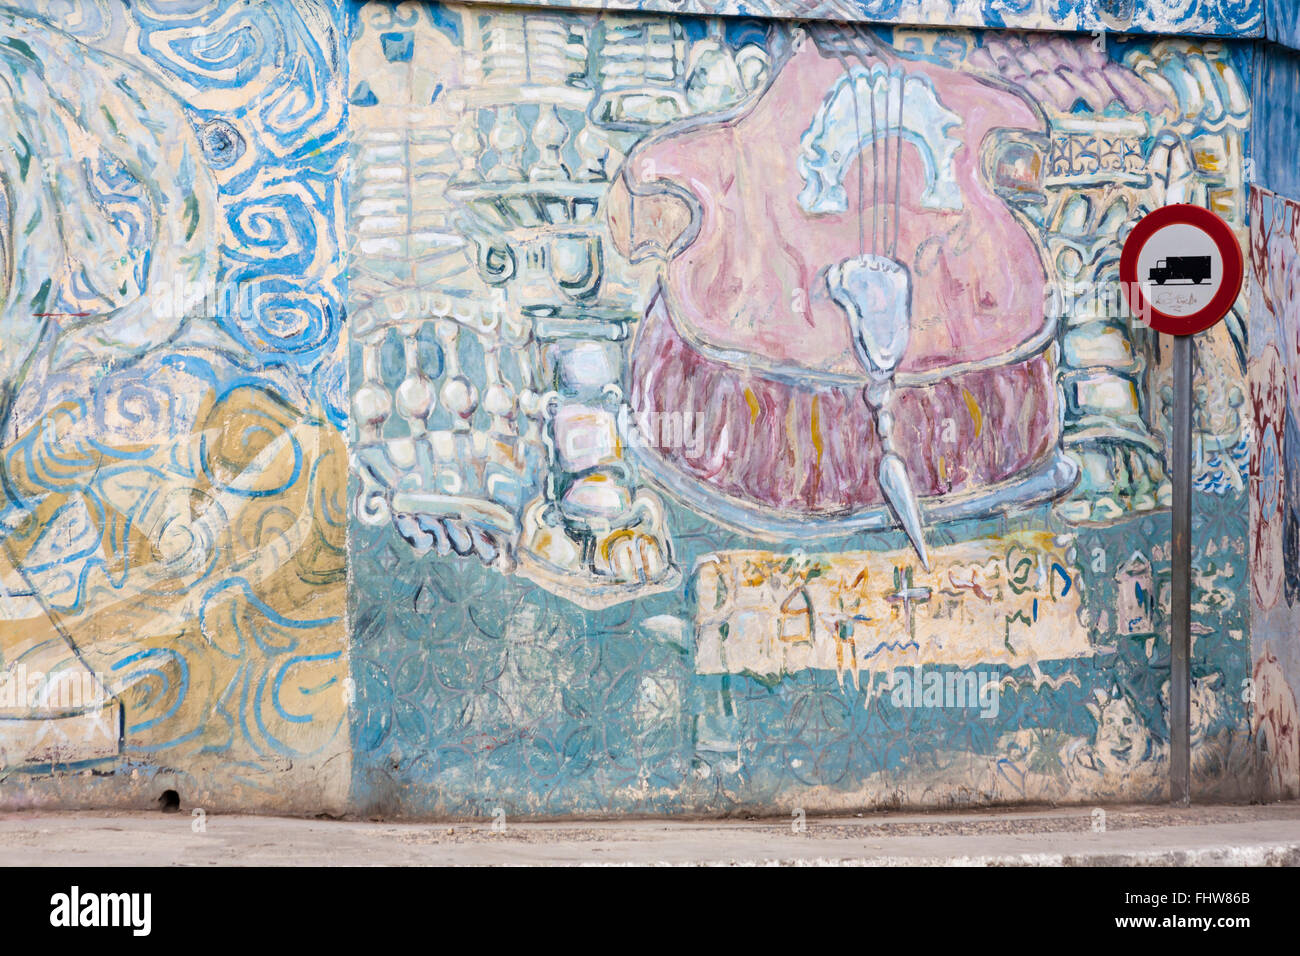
(1182, 269)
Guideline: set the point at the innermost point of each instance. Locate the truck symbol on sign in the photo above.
(1194, 269)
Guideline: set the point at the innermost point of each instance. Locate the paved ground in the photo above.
(1133, 836)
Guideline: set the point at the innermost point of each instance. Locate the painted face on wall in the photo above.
(1122, 738)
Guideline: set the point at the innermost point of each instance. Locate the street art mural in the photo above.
(172, 512)
(1281, 24)
(1236, 18)
(1275, 483)
(431, 409)
(727, 395)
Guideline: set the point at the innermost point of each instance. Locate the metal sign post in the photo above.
(1182, 270)
(1180, 632)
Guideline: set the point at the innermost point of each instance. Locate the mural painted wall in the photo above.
(1275, 404)
(1275, 511)
(1232, 18)
(1277, 125)
(426, 409)
(725, 390)
(1282, 24)
(172, 519)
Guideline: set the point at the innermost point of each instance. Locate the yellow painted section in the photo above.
(973, 407)
(1011, 600)
(817, 428)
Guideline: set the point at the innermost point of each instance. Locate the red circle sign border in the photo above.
(1220, 234)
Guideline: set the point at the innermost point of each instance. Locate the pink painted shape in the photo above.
(977, 279)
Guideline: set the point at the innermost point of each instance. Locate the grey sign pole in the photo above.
(1180, 633)
(1175, 260)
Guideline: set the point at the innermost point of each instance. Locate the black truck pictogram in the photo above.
(1194, 269)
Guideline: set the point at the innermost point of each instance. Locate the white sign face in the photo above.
(1180, 269)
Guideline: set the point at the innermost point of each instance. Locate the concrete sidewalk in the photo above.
(1133, 836)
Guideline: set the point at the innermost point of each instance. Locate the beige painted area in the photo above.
(210, 610)
(1010, 601)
